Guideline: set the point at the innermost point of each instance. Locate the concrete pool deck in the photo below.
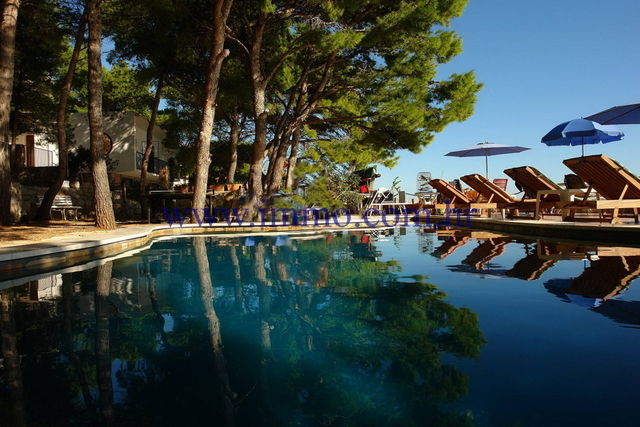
(20, 258)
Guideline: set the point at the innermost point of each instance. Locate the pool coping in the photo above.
(49, 254)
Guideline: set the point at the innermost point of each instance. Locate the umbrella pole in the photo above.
(486, 165)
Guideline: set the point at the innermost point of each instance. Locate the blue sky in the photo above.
(542, 63)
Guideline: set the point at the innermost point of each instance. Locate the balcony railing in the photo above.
(154, 164)
(42, 157)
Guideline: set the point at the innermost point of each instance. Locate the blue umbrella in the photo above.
(619, 115)
(582, 132)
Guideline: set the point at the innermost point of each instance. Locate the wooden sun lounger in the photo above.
(536, 185)
(531, 180)
(619, 187)
(457, 199)
(496, 195)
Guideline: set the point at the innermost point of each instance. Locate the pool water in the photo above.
(398, 327)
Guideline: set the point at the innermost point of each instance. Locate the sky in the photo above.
(542, 63)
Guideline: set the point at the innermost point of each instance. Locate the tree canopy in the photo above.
(304, 85)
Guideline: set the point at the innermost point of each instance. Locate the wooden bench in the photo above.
(62, 204)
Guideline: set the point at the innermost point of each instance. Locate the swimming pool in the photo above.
(388, 327)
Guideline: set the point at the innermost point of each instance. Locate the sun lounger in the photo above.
(618, 187)
(496, 195)
(456, 198)
(536, 185)
(531, 180)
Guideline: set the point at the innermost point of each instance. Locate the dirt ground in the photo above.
(34, 232)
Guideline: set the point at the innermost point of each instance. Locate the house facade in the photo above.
(35, 151)
(125, 142)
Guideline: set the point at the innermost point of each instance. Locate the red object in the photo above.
(364, 188)
(501, 182)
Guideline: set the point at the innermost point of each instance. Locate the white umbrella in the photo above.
(487, 149)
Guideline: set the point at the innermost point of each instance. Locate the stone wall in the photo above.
(24, 199)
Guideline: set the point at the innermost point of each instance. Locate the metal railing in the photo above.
(42, 157)
(154, 164)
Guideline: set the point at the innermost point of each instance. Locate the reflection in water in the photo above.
(204, 272)
(609, 273)
(305, 330)
(606, 277)
(70, 344)
(531, 267)
(479, 261)
(103, 357)
(486, 251)
(451, 241)
(302, 331)
(15, 406)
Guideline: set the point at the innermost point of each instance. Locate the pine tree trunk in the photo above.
(234, 138)
(44, 212)
(203, 159)
(259, 146)
(277, 165)
(8, 28)
(260, 112)
(103, 205)
(149, 147)
(293, 161)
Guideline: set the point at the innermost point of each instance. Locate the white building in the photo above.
(37, 151)
(128, 139)
(128, 135)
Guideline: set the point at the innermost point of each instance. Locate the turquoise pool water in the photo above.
(399, 327)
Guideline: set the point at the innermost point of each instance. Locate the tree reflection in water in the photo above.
(14, 407)
(103, 358)
(280, 331)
